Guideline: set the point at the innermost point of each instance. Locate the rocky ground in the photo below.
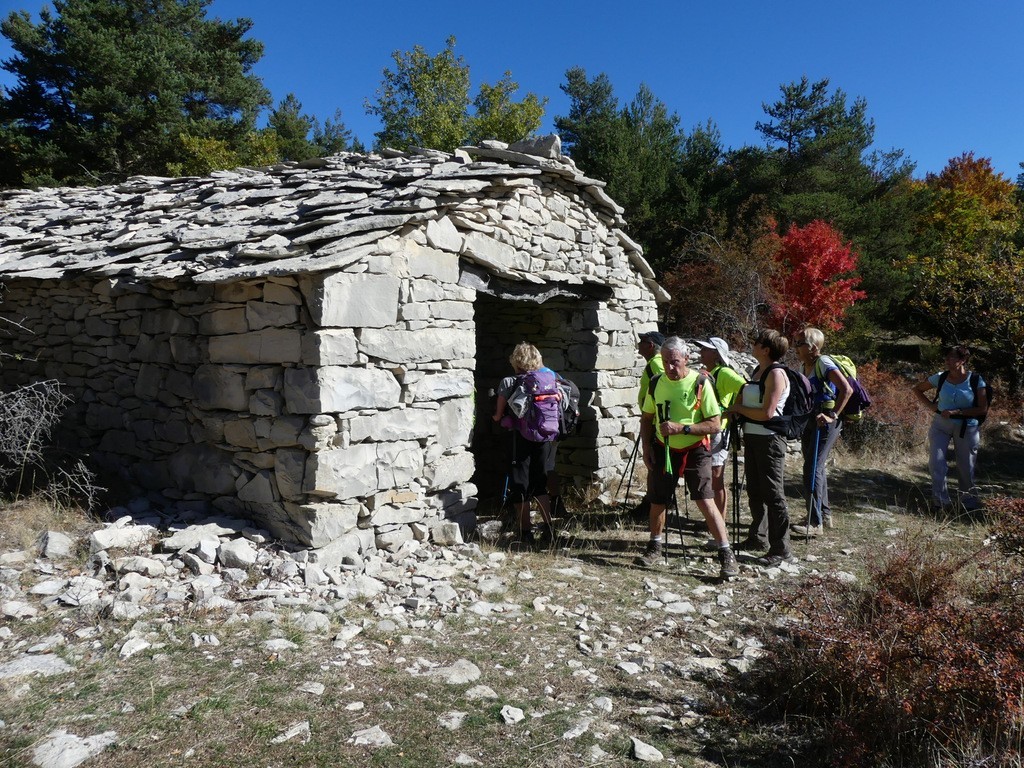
(158, 639)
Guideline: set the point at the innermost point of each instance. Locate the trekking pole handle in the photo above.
(668, 453)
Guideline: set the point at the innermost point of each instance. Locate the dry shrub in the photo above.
(29, 461)
(894, 423)
(921, 666)
(1007, 516)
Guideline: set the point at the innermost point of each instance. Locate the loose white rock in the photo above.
(65, 750)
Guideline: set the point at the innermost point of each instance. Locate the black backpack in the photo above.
(799, 407)
(569, 418)
(975, 380)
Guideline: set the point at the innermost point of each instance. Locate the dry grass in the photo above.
(23, 522)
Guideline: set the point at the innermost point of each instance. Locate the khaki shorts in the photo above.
(696, 474)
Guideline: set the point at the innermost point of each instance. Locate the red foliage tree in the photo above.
(810, 288)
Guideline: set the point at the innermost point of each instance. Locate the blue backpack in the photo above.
(541, 421)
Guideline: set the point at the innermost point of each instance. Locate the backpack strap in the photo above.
(938, 386)
(828, 389)
(652, 385)
(702, 379)
(649, 370)
(764, 376)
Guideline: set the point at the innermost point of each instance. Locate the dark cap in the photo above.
(656, 338)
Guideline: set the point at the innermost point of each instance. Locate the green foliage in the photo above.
(969, 281)
(201, 155)
(817, 166)
(293, 129)
(424, 102)
(499, 117)
(105, 88)
(655, 172)
(332, 137)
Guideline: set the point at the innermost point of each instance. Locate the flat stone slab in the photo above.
(44, 666)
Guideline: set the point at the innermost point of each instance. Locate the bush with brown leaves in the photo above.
(923, 665)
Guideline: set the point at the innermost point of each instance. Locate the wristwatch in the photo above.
(686, 429)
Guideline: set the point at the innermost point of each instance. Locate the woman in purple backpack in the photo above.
(529, 404)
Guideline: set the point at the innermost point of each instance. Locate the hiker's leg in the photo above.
(775, 496)
(519, 482)
(812, 442)
(966, 449)
(828, 439)
(718, 486)
(939, 435)
(755, 457)
(656, 520)
(523, 509)
(663, 489)
(698, 479)
(544, 456)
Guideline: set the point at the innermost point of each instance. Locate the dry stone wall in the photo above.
(304, 346)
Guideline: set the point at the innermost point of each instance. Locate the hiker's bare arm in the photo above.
(706, 427)
(774, 386)
(499, 408)
(919, 392)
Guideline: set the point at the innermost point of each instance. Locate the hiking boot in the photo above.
(773, 561)
(751, 545)
(651, 555)
(827, 521)
(526, 538)
(557, 506)
(807, 530)
(543, 533)
(727, 561)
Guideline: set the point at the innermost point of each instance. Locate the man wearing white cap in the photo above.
(714, 356)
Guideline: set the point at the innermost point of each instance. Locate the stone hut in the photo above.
(312, 345)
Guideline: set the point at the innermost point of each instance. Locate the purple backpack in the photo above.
(540, 421)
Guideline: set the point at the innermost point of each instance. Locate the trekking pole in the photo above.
(661, 418)
(628, 471)
(679, 528)
(735, 439)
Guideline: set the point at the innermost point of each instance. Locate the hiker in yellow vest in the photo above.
(649, 346)
(680, 413)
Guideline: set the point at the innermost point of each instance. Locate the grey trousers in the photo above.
(965, 449)
(764, 460)
(822, 438)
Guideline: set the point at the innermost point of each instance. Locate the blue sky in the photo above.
(941, 77)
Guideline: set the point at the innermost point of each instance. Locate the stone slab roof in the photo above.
(285, 219)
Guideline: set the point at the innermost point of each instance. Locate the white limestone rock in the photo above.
(237, 553)
(61, 749)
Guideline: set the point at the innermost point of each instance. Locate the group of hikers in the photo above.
(693, 420)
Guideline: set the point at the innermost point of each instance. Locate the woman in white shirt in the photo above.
(762, 399)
